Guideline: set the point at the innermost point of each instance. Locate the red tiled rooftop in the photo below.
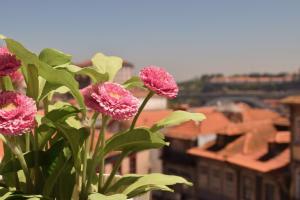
(291, 100)
(187, 131)
(190, 130)
(277, 162)
(248, 148)
(258, 114)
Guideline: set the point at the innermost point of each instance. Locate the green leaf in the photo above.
(55, 169)
(68, 80)
(135, 140)
(97, 196)
(147, 188)
(7, 84)
(120, 185)
(75, 137)
(54, 57)
(107, 64)
(176, 118)
(63, 190)
(32, 81)
(4, 192)
(60, 114)
(44, 133)
(153, 181)
(96, 74)
(8, 194)
(49, 89)
(46, 71)
(13, 165)
(134, 81)
(2, 37)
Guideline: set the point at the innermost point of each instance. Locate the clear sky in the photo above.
(189, 38)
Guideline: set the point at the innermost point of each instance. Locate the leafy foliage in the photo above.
(55, 160)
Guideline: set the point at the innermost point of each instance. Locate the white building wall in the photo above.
(156, 103)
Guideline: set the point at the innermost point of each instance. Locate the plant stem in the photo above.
(148, 97)
(36, 158)
(97, 153)
(46, 104)
(87, 145)
(92, 136)
(15, 149)
(114, 171)
(27, 142)
(102, 157)
(9, 151)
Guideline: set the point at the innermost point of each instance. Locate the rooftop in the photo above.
(291, 100)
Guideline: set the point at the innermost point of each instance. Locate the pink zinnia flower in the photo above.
(159, 81)
(17, 113)
(111, 99)
(8, 62)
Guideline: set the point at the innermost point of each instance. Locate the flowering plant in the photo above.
(49, 147)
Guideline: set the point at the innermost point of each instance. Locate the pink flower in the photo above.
(17, 113)
(111, 99)
(159, 81)
(8, 62)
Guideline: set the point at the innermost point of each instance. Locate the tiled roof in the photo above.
(291, 100)
(190, 130)
(246, 150)
(217, 122)
(251, 114)
(186, 131)
(279, 161)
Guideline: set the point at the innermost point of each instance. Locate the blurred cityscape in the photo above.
(248, 147)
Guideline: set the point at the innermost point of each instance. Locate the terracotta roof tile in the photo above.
(190, 130)
(277, 162)
(291, 100)
(246, 150)
(254, 114)
(187, 131)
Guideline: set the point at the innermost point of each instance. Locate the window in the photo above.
(247, 188)
(269, 191)
(229, 177)
(229, 186)
(215, 179)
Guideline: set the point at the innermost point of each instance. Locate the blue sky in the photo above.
(189, 38)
